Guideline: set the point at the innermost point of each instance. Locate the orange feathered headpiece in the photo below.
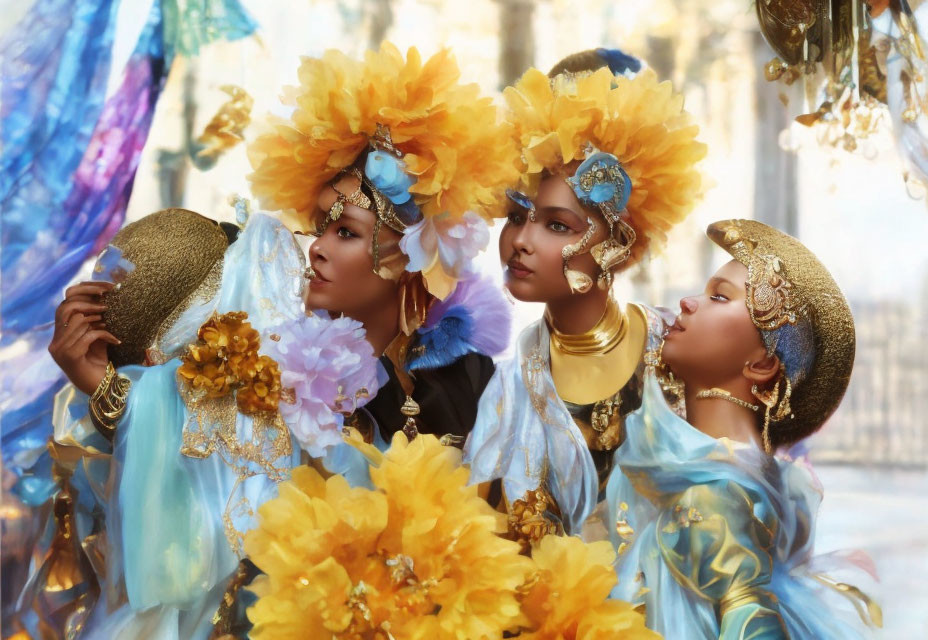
(638, 120)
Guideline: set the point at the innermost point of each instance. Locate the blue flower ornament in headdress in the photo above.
(601, 183)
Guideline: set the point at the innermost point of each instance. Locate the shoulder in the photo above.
(717, 518)
(712, 542)
(655, 320)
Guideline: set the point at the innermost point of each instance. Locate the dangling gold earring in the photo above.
(768, 398)
(578, 281)
(784, 409)
(611, 252)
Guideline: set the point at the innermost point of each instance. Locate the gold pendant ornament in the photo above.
(410, 409)
(578, 281)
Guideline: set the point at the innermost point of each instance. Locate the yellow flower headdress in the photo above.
(452, 147)
(641, 122)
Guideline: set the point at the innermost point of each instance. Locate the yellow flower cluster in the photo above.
(417, 557)
(226, 359)
(421, 556)
(639, 120)
(461, 156)
(567, 596)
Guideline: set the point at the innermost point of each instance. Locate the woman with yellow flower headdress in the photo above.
(394, 166)
(714, 533)
(608, 167)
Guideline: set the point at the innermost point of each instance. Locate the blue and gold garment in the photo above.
(543, 451)
(184, 479)
(715, 537)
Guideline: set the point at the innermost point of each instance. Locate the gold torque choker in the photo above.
(602, 338)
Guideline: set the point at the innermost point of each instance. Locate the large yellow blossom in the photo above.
(225, 359)
(421, 557)
(566, 598)
(417, 557)
(639, 120)
(460, 154)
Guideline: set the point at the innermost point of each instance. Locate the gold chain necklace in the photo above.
(602, 338)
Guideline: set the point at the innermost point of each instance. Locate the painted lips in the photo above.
(518, 270)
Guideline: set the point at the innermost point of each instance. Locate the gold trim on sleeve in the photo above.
(108, 402)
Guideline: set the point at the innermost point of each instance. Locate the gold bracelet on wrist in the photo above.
(108, 402)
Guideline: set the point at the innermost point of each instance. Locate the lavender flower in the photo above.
(328, 369)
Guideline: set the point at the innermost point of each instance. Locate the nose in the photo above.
(522, 239)
(688, 305)
(317, 250)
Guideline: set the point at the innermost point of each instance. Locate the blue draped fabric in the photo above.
(68, 156)
(716, 538)
(67, 168)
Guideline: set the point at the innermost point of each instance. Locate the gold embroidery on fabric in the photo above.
(206, 290)
(533, 370)
(624, 530)
(211, 429)
(683, 518)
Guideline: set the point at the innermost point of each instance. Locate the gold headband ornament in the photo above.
(600, 183)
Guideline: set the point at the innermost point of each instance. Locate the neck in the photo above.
(381, 327)
(578, 313)
(720, 418)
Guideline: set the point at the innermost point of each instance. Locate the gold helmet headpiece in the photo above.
(803, 319)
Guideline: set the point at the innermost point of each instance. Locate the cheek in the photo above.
(505, 243)
(715, 345)
(350, 267)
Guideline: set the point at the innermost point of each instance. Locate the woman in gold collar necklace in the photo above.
(608, 167)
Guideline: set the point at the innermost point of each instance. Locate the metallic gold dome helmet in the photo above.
(803, 319)
(161, 264)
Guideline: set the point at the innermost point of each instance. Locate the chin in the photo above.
(318, 301)
(522, 291)
(669, 352)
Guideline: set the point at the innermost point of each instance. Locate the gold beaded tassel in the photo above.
(410, 409)
(770, 399)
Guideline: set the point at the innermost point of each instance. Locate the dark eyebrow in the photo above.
(563, 210)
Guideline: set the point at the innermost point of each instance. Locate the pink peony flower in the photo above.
(454, 242)
(327, 370)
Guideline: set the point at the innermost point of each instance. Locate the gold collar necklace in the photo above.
(602, 338)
